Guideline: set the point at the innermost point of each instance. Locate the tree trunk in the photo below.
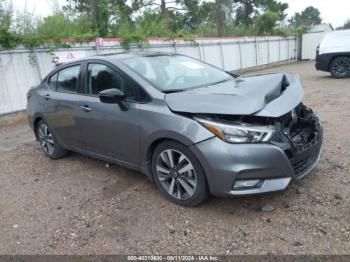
(162, 6)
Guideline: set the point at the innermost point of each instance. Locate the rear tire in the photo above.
(340, 67)
(178, 174)
(48, 142)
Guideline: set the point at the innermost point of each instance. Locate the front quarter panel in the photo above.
(157, 121)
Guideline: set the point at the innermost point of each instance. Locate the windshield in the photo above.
(172, 73)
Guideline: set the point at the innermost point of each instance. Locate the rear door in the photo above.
(108, 130)
(62, 106)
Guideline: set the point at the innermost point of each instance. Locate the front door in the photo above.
(107, 129)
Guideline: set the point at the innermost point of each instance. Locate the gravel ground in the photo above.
(77, 205)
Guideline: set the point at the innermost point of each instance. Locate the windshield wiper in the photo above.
(219, 82)
(173, 91)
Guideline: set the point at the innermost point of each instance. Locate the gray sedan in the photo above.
(192, 128)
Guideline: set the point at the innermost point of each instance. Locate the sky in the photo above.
(336, 12)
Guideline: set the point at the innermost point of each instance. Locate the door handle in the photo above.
(85, 108)
(47, 97)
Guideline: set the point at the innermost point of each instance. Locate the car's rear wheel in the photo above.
(340, 67)
(48, 141)
(178, 174)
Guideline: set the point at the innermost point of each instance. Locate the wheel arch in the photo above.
(335, 56)
(36, 121)
(158, 139)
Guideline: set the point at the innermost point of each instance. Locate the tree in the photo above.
(346, 25)
(276, 7)
(221, 15)
(309, 17)
(249, 10)
(60, 25)
(245, 11)
(7, 38)
(266, 22)
(25, 23)
(5, 15)
(96, 10)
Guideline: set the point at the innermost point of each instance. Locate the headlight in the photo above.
(238, 132)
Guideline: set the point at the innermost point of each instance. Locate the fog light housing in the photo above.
(246, 184)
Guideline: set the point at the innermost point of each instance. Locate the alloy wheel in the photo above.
(46, 139)
(176, 174)
(341, 68)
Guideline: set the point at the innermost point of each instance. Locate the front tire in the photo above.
(178, 174)
(340, 67)
(48, 142)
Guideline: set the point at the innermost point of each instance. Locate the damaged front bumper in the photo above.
(243, 169)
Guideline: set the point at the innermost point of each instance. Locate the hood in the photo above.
(269, 95)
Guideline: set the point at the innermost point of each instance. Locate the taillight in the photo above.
(29, 95)
(317, 50)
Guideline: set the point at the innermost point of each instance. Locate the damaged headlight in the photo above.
(238, 132)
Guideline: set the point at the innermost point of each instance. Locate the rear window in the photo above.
(52, 83)
(67, 80)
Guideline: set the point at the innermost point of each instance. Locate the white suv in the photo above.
(333, 54)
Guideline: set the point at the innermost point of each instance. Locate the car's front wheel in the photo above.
(48, 141)
(340, 67)
(178, 174)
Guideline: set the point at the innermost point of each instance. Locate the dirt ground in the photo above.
(77, 205)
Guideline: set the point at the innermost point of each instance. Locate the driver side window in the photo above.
(102, 77)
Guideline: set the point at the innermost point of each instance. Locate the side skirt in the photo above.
(107, 159)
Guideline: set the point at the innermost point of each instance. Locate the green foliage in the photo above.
(97, 12)
(276, 7)
(7, 38)
(244, 30)
(25, 24)
(206, 29)
(59, 26)
(136, 20)
(266, 22)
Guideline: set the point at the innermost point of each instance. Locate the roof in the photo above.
(124, 55)
(121, 56)
(321, 28)
(117, 56)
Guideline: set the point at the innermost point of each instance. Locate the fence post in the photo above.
(37, 65)
(199, 50)
(240, 54)
(203, 46)
(222, 56)
(256, 52)
(268, 51)
(279, 50)
(288, 50)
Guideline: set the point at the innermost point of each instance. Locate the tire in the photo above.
(178, 174)
(340, 67)
(48, 142)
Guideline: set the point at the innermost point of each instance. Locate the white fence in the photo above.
(310, 42)
(18, 74)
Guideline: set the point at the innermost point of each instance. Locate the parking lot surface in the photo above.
(78, 205)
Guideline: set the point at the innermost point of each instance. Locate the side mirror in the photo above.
(113, 96)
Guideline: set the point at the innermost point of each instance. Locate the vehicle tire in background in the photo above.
(340, 67)
(178, 174)
(48, 142)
